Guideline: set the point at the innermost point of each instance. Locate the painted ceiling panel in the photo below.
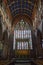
(21, 7)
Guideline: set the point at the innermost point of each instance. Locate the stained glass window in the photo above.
(22, 32)
(22, 45)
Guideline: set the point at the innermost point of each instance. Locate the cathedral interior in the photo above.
(21, 32)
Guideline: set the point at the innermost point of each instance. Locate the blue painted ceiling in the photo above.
(21, 6)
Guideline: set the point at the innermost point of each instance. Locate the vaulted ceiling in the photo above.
(22, 7)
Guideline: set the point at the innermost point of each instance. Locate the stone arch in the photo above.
(20, 17)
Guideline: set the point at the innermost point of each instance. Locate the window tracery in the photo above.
(22, 33)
